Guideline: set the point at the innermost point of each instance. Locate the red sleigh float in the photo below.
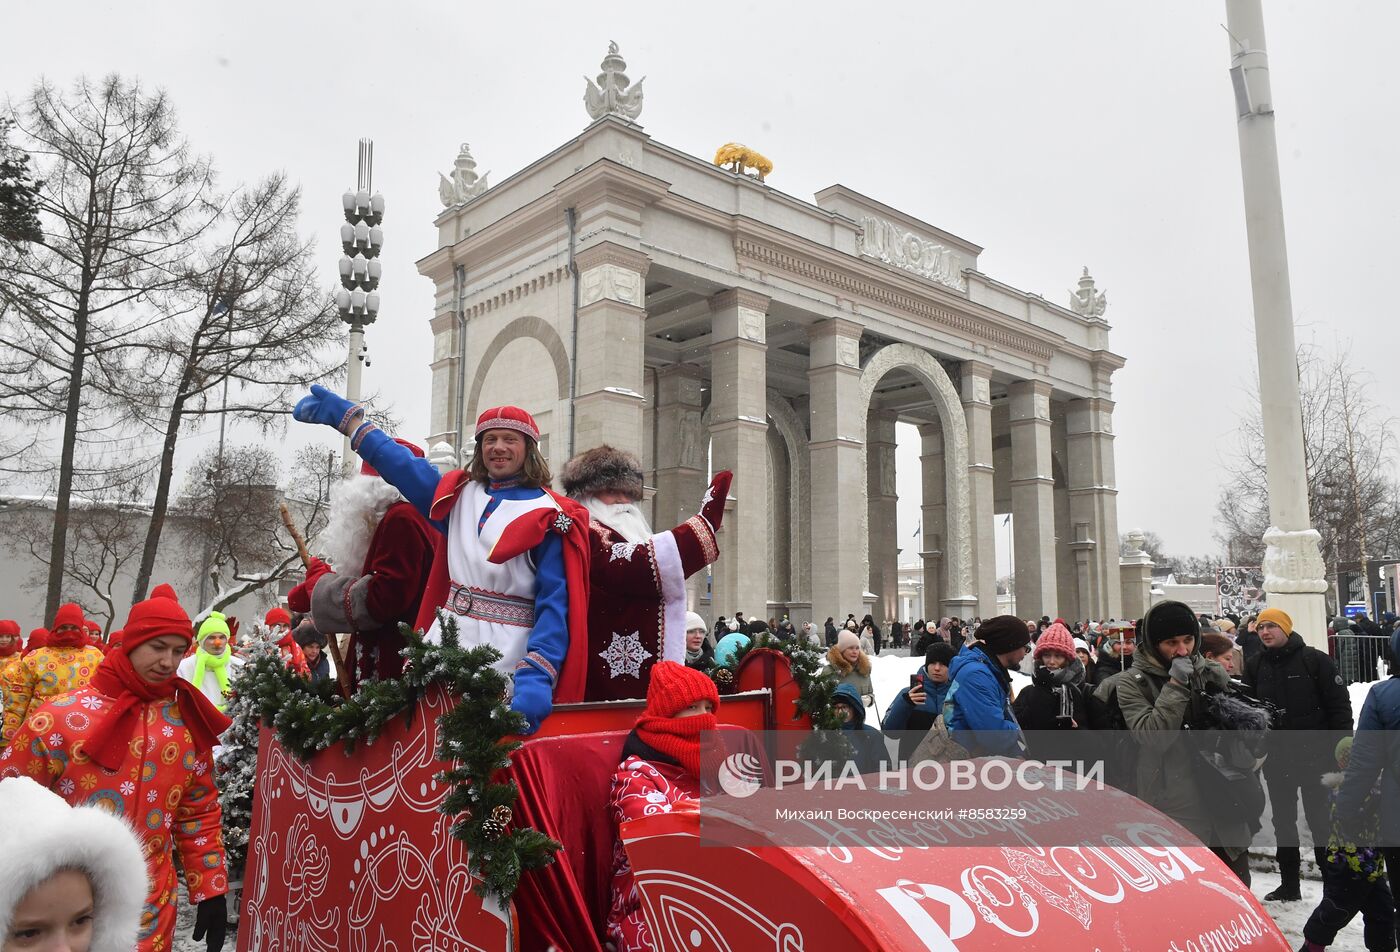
(348, 853)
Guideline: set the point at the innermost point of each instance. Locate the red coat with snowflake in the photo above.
(164, 788)
(639, 788)
(637, 605)
(42, 674)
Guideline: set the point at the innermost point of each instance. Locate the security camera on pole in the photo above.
(361, 239)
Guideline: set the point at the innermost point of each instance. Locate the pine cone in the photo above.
(493, 829)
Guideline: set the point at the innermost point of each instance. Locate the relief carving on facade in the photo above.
(1042, 406)
(848, 352)
(752, 325)
(692, 439)
(885, 242)
(613, 283)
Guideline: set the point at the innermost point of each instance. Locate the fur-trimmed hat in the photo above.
(603, 468)
(42, 835)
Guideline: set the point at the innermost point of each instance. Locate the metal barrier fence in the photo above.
(1361, 658)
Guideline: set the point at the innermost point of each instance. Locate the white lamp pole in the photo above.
(361, 239)
(1294, 577)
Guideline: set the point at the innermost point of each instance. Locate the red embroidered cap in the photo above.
(368, 470)
(507, 418)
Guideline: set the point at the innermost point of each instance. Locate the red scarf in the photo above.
(13, 648)
(68, 638)
(677, 737)
(117, 679)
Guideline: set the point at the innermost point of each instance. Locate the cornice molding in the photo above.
(521, 289)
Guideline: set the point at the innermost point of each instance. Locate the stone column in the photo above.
(1136, 570)
(934, 525)
(1033, 499)
(883, 509)
(681, 455)
(1093, 500)
(739, 442)
(977, 405)
(609, 365)
(837, 468)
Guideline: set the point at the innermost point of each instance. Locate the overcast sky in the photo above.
(1054, 135)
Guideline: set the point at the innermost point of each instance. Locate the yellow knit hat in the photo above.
(1279, 617)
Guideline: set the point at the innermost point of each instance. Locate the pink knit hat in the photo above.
(1055, 638)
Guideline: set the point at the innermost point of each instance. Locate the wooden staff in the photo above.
(342, 672)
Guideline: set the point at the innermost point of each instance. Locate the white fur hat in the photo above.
(694, 621)
(40, 834)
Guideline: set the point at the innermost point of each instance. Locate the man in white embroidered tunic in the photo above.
(513, 564)
(637, 599)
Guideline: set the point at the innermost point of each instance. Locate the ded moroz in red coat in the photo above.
(387, 591)
(637, 604)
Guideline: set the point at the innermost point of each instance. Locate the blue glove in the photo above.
(534, 697)
(328, 409)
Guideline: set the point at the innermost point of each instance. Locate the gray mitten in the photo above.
(1180, 670)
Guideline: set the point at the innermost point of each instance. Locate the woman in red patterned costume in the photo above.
(137, 740)
(660, 767)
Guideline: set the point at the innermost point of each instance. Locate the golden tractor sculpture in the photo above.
(737, 157)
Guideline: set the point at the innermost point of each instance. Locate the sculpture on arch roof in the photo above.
(1088, 301)
(464, 185)
(610, 96)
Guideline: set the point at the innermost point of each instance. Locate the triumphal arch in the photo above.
(632, 294)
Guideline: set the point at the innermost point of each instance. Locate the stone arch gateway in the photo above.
(928, 371)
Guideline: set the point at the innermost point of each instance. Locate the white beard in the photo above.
(624, 518)
(357, 505)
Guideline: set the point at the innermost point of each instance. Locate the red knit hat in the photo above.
(68, 614)
(9, 627)
(277, 616)
(1055, 638)
(158, 615)
(507, 418)
(674, 687)
(368, 470)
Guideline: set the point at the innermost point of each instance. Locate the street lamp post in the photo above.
(361, 239)
(1293, 571)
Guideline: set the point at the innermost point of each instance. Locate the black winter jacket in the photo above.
(1303, 683)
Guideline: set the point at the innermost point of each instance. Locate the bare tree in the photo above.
(121, 203)
(102, 548)
(253, 316)
(1354, 500)
(232, 526)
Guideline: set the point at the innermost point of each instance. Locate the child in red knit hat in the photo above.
(660, 767)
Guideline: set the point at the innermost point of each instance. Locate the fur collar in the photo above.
(844, 667)
(43, 834)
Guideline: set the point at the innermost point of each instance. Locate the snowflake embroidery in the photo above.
(92, 703)
(563, 524)
(167, 730)
(65, 786)
(200, 767)
(128, 788)
(709, 497)
(55, 740)
(200, 840)
(151, 795)
(625, 654)
(622, 551)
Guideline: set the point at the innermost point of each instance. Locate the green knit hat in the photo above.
(1343, 752)
(215, 624)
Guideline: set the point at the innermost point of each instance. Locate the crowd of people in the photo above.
(583, 601)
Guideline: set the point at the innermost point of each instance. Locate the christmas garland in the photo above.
(815, 685)
(308, 718)
(237, 764)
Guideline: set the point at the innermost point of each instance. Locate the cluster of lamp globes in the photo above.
(361, 238)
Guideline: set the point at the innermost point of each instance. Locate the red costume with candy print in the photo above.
(141, 749)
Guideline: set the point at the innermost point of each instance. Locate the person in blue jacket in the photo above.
(1375, 756)
(977, 709)
(915, 708)
(867, 743)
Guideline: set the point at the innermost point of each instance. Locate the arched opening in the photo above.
(525, 342)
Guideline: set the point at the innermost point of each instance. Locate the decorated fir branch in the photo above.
(815, 686)
(237, 764)
(309, 718)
